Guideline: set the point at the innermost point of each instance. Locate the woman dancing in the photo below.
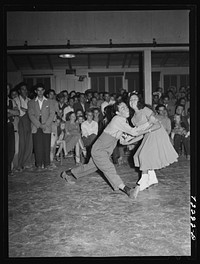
(155, 150)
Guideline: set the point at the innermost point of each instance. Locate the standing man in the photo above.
(41, 112)
(11, 113)
(24, 129)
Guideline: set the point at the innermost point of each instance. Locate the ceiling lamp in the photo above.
(67, 56)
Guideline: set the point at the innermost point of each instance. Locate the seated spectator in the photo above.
(180, 111)
(73, 136)
(163, 118)
(93, 103)
(79, 113)
(61, 140)
(68, 109)
(182, 101)
(80, 119)
(61, 104)
(98, 117)
(179, 135)
(81, 104)
(89, 130)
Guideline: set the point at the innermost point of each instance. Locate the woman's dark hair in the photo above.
(140, 104)
(68, 115)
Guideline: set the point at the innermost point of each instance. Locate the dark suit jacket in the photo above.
(78, 106)
(47, 114)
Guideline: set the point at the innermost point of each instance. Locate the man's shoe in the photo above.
(129, 191)
(66, 176)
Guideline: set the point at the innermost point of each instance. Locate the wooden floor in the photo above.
(49, 218)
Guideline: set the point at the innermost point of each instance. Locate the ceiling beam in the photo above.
(49, 61)
(102, 46)
(54, 51)
(14, 61)
(108, 61)
(124, 60)
(30, 62)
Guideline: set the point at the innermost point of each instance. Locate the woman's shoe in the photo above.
(135, 192)
(144, 182)
(152, 179)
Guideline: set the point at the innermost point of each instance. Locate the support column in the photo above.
(147, 77)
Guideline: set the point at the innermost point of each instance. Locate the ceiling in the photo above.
(119, 60)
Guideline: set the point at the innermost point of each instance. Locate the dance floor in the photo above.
(47, 217)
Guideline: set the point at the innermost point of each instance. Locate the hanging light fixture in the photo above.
(67, 55)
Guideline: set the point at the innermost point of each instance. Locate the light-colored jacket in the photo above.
(47, 114)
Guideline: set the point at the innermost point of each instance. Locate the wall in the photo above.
(92, 27)
(61, 81)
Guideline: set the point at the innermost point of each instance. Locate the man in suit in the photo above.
(82, 104)
(41, 112)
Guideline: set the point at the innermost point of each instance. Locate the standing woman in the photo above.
(155, 151)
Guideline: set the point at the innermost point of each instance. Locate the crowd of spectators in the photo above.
(44, 126)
